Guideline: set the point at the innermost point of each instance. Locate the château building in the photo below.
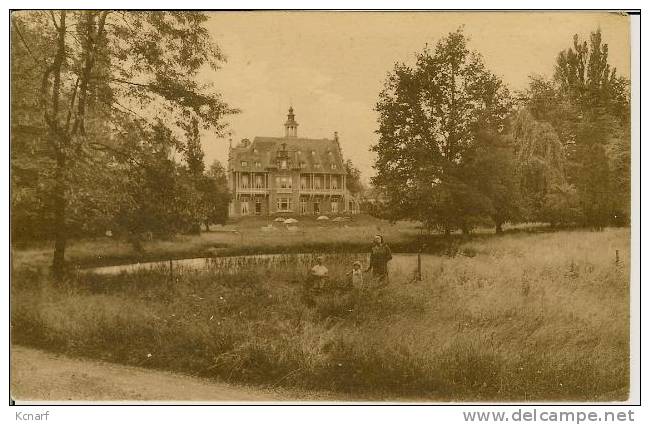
(288, 175)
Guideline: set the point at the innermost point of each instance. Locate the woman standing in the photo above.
(380, 255)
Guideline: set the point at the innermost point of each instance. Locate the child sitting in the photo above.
(318, 275)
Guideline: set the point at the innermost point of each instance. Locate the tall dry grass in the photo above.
(521, 317)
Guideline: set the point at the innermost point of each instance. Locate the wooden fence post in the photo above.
(419, 273)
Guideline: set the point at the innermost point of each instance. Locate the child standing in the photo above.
(357, 275)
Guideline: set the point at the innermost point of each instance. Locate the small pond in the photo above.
(402, 261)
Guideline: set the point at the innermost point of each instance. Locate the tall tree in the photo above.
(216, 195)
(31, 156)
(160, 196)
(193, 152)
(34, 159)
(573, 139)
(597, 111)
(491, 167)
(352, 178)
(193, 155)
(116, 71)
(429, 115)
(541, 167)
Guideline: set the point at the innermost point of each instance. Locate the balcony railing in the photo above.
(320, 191)
(252, 189)
(308, 191)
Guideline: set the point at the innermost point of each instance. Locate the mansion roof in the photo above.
(272, 153)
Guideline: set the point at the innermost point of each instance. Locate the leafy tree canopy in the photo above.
(429, 117)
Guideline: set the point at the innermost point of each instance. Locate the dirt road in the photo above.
(39, 376)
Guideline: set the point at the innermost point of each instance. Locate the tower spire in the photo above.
(291, 126)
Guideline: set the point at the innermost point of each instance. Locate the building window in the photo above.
(244, 182)
(313, 153)
(316, 207)
(316, 182)
(283, 182)
(259, 182)
(254, 150)
(333, 166)
(303, 206)
(244, 163)
(303, 182)
(335, 183)
(317, 166)
(301, 164)
(258, 164)
(258, 206)
(244, 207)
(284, 204)
(335, 206)
(283, 164)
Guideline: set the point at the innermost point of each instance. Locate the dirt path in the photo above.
(41, 376)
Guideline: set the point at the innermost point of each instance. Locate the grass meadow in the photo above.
(243, 237)
(541, 316)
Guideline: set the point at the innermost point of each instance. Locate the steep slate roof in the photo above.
(264, 150)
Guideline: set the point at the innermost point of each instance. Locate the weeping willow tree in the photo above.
(542, 162)
(573, 138)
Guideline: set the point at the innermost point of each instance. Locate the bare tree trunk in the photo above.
(59, 141)
(60, 135)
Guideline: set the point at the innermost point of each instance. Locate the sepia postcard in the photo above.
(308, 207)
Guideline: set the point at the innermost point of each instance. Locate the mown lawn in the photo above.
(519, 317)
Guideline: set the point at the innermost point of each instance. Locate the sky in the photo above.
(331, 66)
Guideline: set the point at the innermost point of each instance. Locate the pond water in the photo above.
(401, 261)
